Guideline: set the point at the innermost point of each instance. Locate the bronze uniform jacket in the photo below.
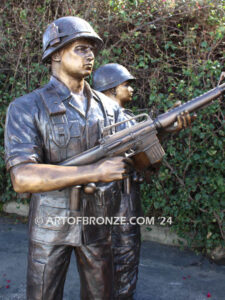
(45, 126)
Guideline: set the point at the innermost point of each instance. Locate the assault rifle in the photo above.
(140, 140)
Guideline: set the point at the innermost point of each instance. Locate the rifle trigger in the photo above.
(129, 153)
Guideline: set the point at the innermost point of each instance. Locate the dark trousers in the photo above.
(126, 244)
(48, 264)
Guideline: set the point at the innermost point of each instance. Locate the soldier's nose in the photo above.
(90, 55)
(130, 89)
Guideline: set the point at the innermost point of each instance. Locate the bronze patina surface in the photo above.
(61, 137)
(114, 81)
(43, 128)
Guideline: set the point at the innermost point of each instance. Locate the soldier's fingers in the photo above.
(128, 169)
(117, 158)
(122, 166)
(128, 161)
(193, 117)
(184, 121)
(177, 103)
(125, 175)
(179, 123)
(188, 118)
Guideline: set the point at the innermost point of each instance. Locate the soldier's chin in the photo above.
(87, 72)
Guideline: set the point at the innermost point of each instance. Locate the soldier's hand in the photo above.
(115, 168)
(184, 120)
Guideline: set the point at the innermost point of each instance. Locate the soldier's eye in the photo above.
(79, 48)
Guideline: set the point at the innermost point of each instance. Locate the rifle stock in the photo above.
(140, 140)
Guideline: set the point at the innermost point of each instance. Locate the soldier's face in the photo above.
(124, 92)
(77, 59)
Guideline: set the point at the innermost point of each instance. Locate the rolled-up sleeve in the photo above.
(22, 139)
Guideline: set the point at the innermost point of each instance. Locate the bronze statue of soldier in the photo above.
(114, 80)
(45, 127)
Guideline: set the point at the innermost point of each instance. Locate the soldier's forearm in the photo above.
(34, 178)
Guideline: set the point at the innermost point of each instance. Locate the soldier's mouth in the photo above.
(88, 65)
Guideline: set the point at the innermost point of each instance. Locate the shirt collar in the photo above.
(64, 93)
(88, 94)
(60, 93)
(60, 88)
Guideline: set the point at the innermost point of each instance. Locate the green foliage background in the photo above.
(175, 48)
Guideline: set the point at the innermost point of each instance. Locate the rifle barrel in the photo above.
(170, 117)
(122, 141)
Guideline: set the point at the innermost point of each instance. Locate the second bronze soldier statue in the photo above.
(114, 80)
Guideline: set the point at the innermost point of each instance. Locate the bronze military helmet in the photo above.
(64, 31)
(109, 76)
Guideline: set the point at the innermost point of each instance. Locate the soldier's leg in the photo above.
(126, 252)
(96, 272)
(47, 268)
(126, 246)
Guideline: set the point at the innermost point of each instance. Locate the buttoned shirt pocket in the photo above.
(60, 130)
(57, 198)
(74, 146)
(53, 218)
(58, 137)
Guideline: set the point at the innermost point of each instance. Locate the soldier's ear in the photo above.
(114, 91)
(56, 56)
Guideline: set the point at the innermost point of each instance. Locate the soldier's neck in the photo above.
(75, 85)
(113, 97)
